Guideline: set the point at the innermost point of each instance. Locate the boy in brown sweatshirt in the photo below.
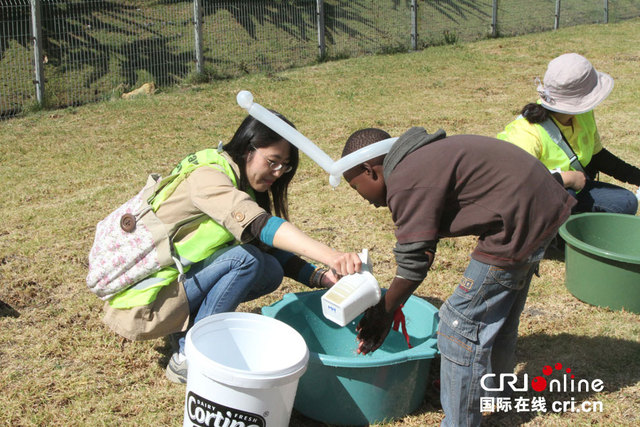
(437, 186)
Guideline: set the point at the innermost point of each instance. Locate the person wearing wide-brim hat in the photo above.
(560, 130)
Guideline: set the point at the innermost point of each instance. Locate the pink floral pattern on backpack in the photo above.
(120, 259)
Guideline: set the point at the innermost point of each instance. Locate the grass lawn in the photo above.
(63, 171)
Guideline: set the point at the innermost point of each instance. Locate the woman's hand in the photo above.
(343, 263)
(328, 279)
(574, 180)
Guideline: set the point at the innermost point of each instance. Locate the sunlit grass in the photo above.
(63, 171)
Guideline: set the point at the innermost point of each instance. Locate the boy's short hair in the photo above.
(363, 137)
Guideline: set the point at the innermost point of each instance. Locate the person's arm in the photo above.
(278, 233)
(573, 179)
(413, 261)
(213, 193)
(290, 238)
(302, 271)
(607, 162)
(377, 320)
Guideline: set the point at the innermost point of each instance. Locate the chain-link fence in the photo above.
(69, 52)
(248, 36)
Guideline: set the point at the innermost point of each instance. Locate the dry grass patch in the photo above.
(63, 171)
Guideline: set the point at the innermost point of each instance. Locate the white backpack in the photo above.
(132, 242)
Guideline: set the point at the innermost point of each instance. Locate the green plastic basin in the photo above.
(341, 387)
(602, 258)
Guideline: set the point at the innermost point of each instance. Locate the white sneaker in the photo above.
(176, 371)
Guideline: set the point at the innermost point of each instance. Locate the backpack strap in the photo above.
(557, 137)
(155, 183)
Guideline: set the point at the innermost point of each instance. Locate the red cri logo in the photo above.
(539, 383)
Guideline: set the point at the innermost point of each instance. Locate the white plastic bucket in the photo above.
(243, 371)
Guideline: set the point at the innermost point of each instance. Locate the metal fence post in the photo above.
(320, 22)
(36, 31)
(197, 23)
(494, 19)
(606, 11)
(414, 24)
(556, 23)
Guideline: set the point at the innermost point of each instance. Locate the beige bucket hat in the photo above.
(572, 85)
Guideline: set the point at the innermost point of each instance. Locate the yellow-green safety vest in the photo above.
(207, 238)
(551, 155)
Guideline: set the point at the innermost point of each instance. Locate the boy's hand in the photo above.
(377, 320)
(373, 327)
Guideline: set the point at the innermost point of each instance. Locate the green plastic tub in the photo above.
(602, 258)
(341, 387)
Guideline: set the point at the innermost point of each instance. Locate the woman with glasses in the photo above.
(238, 249)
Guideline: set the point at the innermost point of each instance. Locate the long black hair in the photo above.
(253, 133)
(535, 113)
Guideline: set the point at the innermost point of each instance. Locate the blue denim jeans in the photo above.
(477, 334)
(597, 196)
(230, 276)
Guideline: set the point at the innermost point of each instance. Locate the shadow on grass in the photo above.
(436, 302)
(614, 361)
(166, 349)
(611, 360)
(7, 311)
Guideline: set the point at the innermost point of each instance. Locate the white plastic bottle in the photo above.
(352, 294)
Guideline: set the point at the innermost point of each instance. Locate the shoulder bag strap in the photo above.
(557, 137)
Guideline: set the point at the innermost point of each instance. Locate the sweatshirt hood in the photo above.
(406, 144)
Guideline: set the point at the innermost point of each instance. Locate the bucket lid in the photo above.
(246, 350)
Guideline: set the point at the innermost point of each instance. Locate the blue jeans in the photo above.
(230, 276)
(597, 196)
(477, 335)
